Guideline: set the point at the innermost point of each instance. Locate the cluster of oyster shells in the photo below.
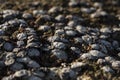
(60, 43)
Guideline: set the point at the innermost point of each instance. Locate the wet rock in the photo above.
(52, 74)
(109, 59)
(71, 23)
(20, 43)
(115, 44)
(84, 77)
(2, 64)
(32, 44)
(76, 50)
(97, 4)
(39, 73)
(59, 54)
(87, 56)
(21, 36)
(64, 40)
(72, 4)
(106, 44)
(116, 64)
(105, 30)
(22, 22)
(104, 36)
(8, 46)
(21, 53)
(81, 29)
(59, 45)
(34, 78)
(16, 49)
(67, 73)
(33, 64)
(68, 28)
(9, 62)
(53, 38)
(98, 14)
(101, 61)
(97, 54)
(87, 10)
(5, 28)
(87, 39)
(103, 49)
(27, 16)
(44, 28)
(60, 18)
(30, 31)
(32, 37)
(77, 66)
(38, 12)
(23, 60)
(59, 32)
(10, 77)
(116, 35)
(14, 22)
(10, 14)
(71, 33)
(33, 52)
(55, 9)
(107, 69)
(78, 40)
(10, 55)
(95, 46)
(1, 32)
(16, 67)
(119, 54)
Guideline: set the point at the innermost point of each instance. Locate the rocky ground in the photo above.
(59, 39)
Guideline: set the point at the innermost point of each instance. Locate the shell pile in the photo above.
(59, 40)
